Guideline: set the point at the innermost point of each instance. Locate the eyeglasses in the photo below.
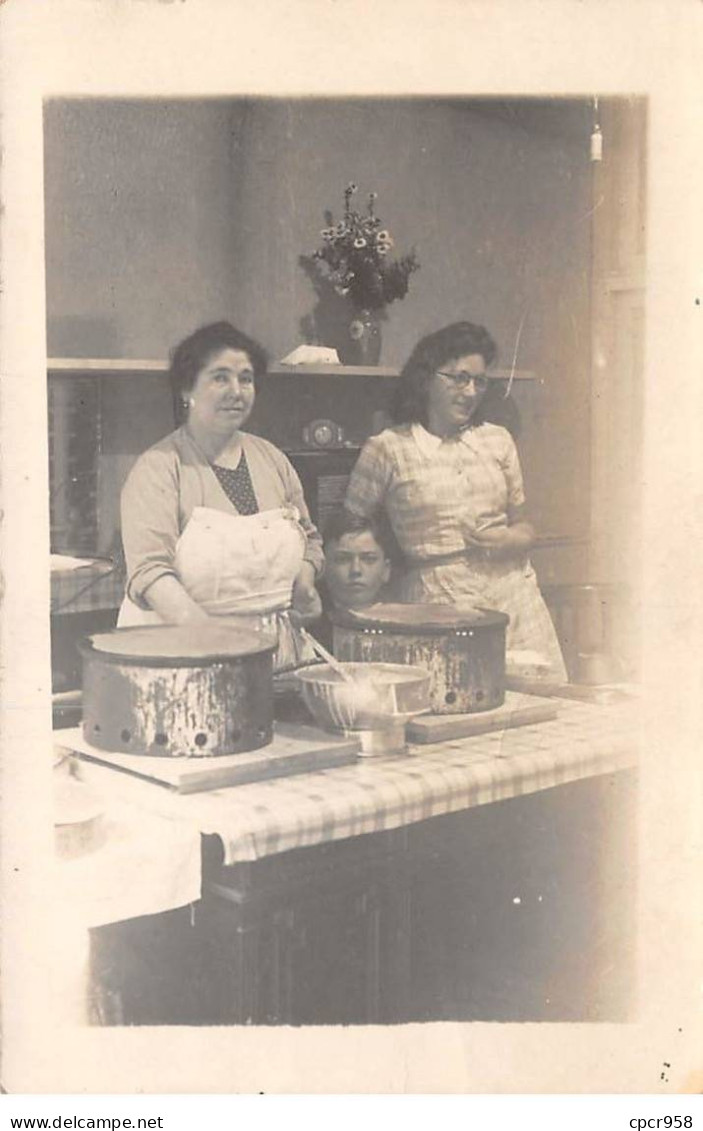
(462, 379)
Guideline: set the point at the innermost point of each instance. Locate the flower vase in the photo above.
(362, 344)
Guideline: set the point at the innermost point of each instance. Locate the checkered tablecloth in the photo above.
(372, 795)
(97, 585)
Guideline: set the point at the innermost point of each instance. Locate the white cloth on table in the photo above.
(144, 865)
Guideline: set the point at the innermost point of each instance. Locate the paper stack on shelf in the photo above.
(311, 355)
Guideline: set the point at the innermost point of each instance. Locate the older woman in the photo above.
(452, 488)
(214, 522)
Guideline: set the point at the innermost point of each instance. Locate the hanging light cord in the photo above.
(596, 145)
(580, 220)
(508, 390)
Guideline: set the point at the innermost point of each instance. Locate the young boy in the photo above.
(357, 567)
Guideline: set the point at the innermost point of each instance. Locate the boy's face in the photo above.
(356, 569)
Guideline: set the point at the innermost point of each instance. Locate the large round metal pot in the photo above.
(463, 650)
(180, 692)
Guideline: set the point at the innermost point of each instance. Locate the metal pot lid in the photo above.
(416, 619)
(179, 645)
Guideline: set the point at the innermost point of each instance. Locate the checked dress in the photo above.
(437, 493)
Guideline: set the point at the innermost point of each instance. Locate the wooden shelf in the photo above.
(375, 371)
(128, 367)
(278, 370)
(115, 367)
(103, 367)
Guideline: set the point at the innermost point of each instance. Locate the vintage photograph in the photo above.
(345, 422)
(349, 544)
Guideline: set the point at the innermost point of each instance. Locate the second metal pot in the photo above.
(464, 652)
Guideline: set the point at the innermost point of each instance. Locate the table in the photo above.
(99, 584)
(484, 877)
(375, 794)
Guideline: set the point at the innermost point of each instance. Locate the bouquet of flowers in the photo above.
(354, 258)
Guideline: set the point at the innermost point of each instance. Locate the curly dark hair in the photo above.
(430, 354)
(194, 352)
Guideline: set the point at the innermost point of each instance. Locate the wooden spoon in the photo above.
(326, 656)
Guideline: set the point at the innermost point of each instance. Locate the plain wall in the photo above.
(141, 213)
(162, 215)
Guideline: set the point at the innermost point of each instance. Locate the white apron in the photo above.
(240, 565)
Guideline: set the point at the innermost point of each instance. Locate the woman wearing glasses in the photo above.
(451, 485)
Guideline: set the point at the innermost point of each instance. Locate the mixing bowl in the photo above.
(374, 705)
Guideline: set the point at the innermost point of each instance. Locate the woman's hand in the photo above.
(306, 604)
(502, 542)
(169, 599)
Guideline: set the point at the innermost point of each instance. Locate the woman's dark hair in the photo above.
(189, 357)
(429, 355)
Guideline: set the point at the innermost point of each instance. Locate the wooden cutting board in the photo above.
(588, 693)
(517, 710)
(295, 749)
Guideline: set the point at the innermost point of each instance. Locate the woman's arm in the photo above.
(293, 494)
(370, 478)
(518, 535)
(167, 597)
(519, 525)
(306, 605)
(150, 528)
(503, 541)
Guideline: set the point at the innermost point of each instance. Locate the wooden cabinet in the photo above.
(316, 936)
(524, 910)
(516, 911)
(324, 476)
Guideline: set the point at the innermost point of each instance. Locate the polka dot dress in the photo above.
(237, 486)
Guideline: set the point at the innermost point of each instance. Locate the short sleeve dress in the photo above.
(437, 493)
